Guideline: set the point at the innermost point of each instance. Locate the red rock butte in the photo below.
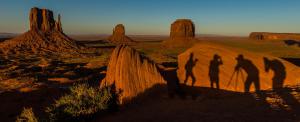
(42, 19)
(274, 36)
(182, 28)
(119, 37)
(45, 36)
(182, 33)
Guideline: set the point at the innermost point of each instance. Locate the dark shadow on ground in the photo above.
(30, 68)
(295, 61)
(292, 42)
(3, 39)
(210, 105)
(170, 64)
(92, 42)
(13, 102)
(96, 44)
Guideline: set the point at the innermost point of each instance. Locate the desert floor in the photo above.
(34, 81)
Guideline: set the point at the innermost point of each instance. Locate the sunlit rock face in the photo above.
(131, 73)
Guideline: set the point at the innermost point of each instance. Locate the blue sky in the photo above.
(153, 17)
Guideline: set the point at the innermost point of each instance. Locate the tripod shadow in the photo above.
(252, 73)
(214, 71)
(189, 69)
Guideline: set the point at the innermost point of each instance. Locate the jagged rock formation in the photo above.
(131, 73)
(119, 36)
(42, 19)
(58, 25)
(274, 36)
(198, 62)
(45, 36)
(182, 33)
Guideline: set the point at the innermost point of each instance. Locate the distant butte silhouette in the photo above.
(274, 36)
(44, 37)
(119, 37)
(182, 33)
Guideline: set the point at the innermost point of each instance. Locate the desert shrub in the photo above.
(81, 103)
(27, 115)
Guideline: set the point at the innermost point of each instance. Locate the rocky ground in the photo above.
(35, 81)
(204, 104)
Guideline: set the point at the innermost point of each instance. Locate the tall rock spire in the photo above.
(58, 24)
(43, 20)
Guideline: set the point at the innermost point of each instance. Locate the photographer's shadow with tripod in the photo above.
(251, 70)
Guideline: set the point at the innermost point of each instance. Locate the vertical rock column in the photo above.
(58, 26)
(42, 20)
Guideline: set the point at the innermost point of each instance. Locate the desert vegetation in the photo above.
(82, 103)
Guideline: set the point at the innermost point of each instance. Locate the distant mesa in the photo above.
(45, 36)
(274, 36)
(182, 33)
(131, 73)
(119, 37)
(182, 28)
(206, 62)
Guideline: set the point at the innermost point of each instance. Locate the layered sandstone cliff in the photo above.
(274, 36)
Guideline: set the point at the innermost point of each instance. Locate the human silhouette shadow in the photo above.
(214, 71)
(279, 72)
(252, 73)
(278, 82)
(189, 69)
